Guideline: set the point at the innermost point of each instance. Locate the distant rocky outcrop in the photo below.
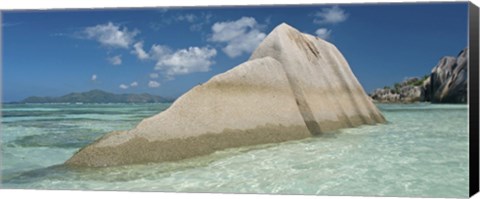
(410, 90)
(447, 83)
(98, 96)
(294, 86)
(448, 80)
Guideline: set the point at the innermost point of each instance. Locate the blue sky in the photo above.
(168, 51)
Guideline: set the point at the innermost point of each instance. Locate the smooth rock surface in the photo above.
(448, 80)
(294, 86)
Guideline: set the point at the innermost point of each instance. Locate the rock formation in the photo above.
(410, 90)
(294, 86)
(448, 80)
(447, 83)
(385, 95)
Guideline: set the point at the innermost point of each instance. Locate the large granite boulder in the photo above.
(448, 80)
(412, 94)
(294, 86)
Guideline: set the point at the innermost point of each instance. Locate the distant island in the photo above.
(97, 96)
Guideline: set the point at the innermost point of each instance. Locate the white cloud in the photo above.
(185, 61)
(115, 60)
(331, 15)
(196, 21)
(153, 75)
(203, 20)
(134, 84)
(187, 17)
(123, 86)
(179, 62)
(159, 51)
(111, 35)
(153, 84)
(323, 33)
(139, 52)
(241, 36)
(94, 77)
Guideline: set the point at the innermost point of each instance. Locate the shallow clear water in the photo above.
(421, 152)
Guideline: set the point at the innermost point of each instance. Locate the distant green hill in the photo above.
(98, 96)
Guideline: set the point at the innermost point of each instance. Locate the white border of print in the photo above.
(62, 4)
(65, 4)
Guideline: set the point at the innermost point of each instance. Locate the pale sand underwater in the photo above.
(421, 152)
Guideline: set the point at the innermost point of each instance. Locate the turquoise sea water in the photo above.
(421, 152)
